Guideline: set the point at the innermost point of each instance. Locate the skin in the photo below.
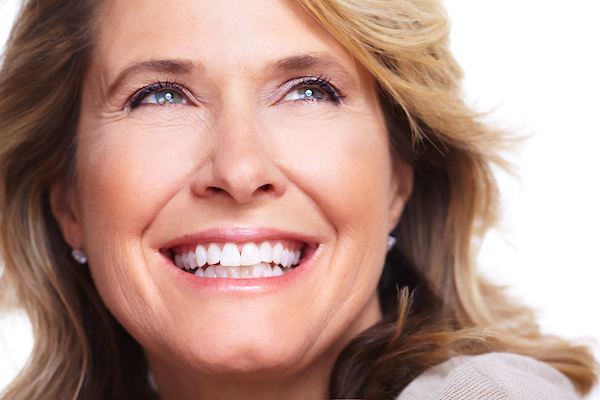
(242, 159)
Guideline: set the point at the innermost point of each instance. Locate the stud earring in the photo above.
(391, 242)
(79, 256)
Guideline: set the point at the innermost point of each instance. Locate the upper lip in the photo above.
(240, 234)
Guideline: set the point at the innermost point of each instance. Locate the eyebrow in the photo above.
(297, 63)
(307, 62)
(158, 66)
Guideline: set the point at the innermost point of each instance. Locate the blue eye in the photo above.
(158, 93)
(163, 96)
(305, 93)
(314, 89)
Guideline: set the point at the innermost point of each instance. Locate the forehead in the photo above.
(221, 34)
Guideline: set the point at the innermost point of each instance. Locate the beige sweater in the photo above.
(494, 376)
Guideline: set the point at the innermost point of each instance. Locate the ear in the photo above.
(401, 189)
(64, 209)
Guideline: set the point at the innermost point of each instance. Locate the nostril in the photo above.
(265, 188)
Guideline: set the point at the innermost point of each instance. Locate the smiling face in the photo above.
(248, 140)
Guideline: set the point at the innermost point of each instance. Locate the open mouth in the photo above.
(239, 261)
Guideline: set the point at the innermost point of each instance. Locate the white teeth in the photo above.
(266, 252)
(221, 271)
(185, 261)
(253, 262)
(245, 273)
(268, 272)
(286, 258)
(261, 270)
(177, 261)
(210, 272)
(192, 260)
(230, 256)
(250, 254)
(213, 255)
(234, 272)
(257, 270)
(277, 253)
(200, 255)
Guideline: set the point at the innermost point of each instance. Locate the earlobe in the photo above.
(402, 186)
(64, 210)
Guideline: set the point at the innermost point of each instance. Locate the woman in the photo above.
(205, 193)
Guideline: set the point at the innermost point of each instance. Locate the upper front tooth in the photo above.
(277, 253)
(250, 254)
(266, 252)
(213, 255)
(230, 256)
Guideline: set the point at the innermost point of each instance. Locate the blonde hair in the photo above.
(443, 307)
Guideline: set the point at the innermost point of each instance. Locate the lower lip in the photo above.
(250, 286)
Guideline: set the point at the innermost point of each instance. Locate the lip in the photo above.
(241, 235)
(238, 235)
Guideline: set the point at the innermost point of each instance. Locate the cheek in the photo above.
(129, 170)
(127, 173)
(344, 165)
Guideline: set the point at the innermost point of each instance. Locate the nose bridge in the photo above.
(242, 166)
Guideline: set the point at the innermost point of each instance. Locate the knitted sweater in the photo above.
(493, 376)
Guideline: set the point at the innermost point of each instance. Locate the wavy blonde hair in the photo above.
(443, 307)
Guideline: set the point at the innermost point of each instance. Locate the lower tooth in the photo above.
(234, 272)
(210, 272)
(268, 272)
(257, 270)
(245, 273)
(262, 270)
(221, 271)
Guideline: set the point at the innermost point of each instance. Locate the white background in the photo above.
(536, 63)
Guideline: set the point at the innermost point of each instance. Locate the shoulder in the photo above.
(493, 376)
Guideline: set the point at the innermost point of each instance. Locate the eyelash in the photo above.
(139, 96)
(321, 82)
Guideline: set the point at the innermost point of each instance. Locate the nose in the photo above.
(241, 166)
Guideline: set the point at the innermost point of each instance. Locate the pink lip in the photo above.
(238, 235)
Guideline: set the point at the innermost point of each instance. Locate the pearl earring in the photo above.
(391, 242)
(79, 256)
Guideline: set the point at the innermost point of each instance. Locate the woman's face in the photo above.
(226, 124)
